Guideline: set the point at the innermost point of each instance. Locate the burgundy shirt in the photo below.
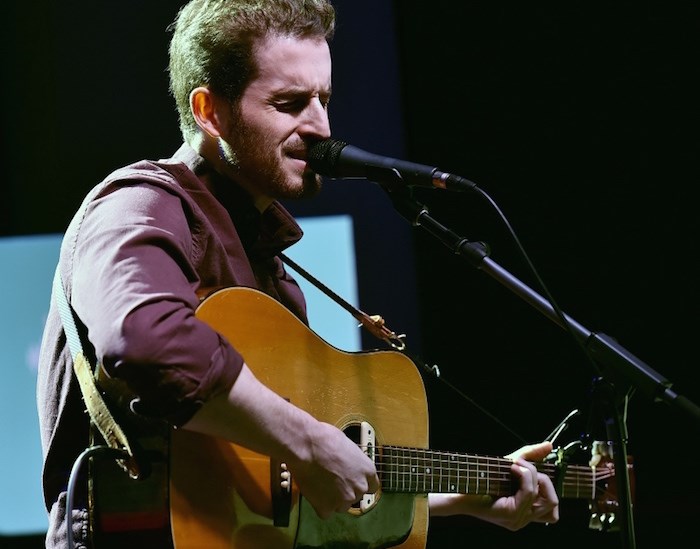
(140, 246)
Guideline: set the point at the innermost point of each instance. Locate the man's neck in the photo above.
(207, 148)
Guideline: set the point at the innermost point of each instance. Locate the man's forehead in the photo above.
(291, 62)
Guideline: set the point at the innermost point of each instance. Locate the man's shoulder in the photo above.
(174, 174)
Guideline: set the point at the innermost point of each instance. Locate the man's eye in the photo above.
(291, 106)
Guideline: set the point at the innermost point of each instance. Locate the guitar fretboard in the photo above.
(415, 470)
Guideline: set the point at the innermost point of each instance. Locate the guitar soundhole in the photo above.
(353, 432)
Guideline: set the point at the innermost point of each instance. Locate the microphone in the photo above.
(337, 159)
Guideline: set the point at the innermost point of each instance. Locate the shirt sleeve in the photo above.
(134, 284)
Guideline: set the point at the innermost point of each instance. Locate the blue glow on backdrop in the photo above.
(28, 262)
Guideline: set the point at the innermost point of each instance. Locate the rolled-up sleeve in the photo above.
(134, 282)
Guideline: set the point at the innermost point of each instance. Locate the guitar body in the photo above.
(225, 496)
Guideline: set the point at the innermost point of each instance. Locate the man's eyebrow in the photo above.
(295, 91)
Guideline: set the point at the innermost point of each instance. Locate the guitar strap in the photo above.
(374, 324)
(100, 415)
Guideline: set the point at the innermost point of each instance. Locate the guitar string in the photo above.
(417, 467)
(460, 480)
(490, 462)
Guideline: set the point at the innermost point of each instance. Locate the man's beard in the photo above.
(247, 154)
(227, 155)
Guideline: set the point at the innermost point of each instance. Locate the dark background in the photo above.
(578, 119)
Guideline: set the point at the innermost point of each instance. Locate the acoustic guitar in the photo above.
(222, 496)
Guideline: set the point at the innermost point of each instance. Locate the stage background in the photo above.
(579, 120)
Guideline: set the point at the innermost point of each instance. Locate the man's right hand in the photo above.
(336, 474)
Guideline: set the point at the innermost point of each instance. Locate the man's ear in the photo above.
(203, 104)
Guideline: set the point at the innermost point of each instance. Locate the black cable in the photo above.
(523, 254)
(73, 481)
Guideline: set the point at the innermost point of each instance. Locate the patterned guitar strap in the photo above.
(100, 415)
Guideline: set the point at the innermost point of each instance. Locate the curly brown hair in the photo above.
(213, 40)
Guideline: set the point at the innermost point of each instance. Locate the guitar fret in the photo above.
(476, 477)
(430, 472)
(461, 483)
(455, 460)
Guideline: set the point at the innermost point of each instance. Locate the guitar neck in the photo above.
(414, 470)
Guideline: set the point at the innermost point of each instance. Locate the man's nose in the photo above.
(316, 122)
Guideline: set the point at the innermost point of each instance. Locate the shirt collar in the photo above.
(263, 235)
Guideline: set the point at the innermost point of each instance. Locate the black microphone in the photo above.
(337, 159)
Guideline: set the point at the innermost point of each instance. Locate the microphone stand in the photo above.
(613, 359)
